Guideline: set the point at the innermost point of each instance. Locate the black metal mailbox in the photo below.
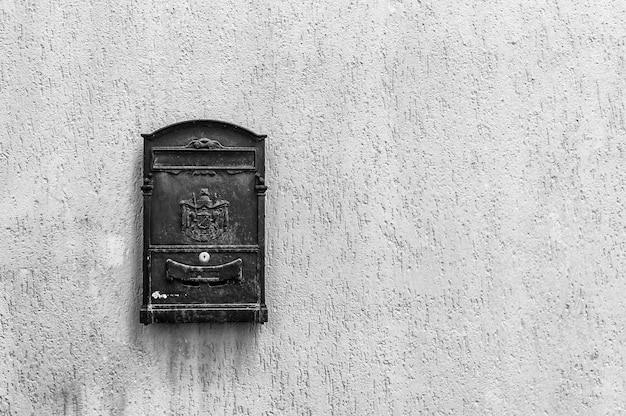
(204, 224)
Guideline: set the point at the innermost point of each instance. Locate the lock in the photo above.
(204, 224)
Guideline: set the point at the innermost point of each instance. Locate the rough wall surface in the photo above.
(446, 224)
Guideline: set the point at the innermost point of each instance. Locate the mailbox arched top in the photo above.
(209, 123)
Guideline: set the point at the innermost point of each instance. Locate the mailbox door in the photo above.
(203, 224)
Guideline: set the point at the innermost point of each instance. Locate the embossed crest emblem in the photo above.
(204, 218)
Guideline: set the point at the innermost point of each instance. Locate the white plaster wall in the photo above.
(445, 224)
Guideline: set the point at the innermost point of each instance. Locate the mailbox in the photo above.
(204, 230)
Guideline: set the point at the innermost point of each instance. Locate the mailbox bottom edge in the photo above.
(195, 313)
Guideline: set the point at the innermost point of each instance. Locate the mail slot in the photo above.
(204, 224)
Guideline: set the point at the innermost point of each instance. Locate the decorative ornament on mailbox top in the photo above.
(204, 224)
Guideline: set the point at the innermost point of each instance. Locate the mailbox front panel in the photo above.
(201, 219)
(203, 224)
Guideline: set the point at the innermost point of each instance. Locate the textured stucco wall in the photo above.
(445, 224)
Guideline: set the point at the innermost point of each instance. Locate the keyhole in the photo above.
(204, 257)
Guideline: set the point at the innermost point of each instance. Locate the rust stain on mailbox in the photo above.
(204, 224)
